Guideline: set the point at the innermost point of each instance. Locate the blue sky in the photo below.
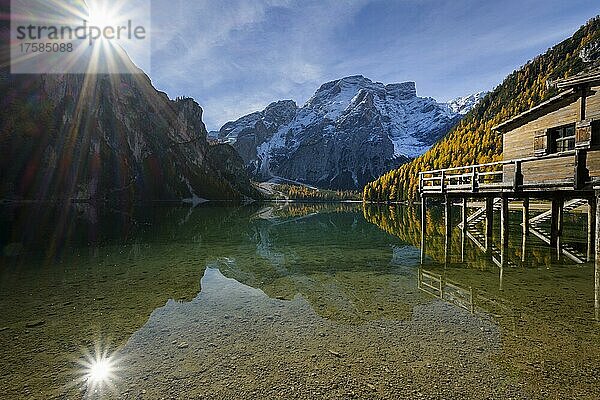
(237, 56)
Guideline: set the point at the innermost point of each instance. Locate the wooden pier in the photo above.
(551, 153)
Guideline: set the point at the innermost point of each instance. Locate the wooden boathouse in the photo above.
(550, 152)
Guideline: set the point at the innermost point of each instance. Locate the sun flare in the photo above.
(101, 16)
(98, 370)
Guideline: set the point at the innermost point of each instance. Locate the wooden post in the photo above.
(463, 237)
(518, 177)
(489, 217)
(597, 256)
(423, 226)
(555, 222)
(591, 225)
(502, 264)
(472, 299)
(559, 226)
(524, 250)
(464, 214)
(526, 216)
(582, 101)
(504, 224)
(463, 245)
(446, 251)
(448, 216)
(443, 183)
(448, 223)
(597, 291)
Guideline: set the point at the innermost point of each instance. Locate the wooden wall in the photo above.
(550, 170)
(518, 143)
(593, 104)
(554, 170)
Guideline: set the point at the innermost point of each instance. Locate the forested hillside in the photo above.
(472, 141)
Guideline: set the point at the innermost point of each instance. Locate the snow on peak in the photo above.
(402, 91)
(462, 105)
(349, 132)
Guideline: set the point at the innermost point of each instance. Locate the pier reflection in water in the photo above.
(545, 299)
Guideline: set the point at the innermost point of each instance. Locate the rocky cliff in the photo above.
(108, 137)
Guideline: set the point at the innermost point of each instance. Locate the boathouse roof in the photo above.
(570, 85)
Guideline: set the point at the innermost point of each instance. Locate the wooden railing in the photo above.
(497, 176)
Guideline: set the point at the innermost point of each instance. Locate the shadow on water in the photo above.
(218, 301)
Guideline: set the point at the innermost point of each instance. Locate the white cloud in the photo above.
(237, 56)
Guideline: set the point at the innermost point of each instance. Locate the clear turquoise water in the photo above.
(287, 301)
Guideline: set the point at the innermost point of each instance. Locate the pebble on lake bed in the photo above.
(33, 324)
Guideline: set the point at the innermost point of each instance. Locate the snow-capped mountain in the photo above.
(348, 133)
(462, 105)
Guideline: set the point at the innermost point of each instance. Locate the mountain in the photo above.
(108, 137)
(472, 140)
(462, 105)
(349, 132)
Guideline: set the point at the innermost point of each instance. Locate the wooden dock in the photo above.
(551, 153)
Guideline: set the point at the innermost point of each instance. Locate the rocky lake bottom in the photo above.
(297, 301)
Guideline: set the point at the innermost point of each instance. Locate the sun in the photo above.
(100, 15)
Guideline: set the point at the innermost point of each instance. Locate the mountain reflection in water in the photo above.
(296, 301)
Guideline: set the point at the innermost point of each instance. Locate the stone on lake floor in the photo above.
(36, 323)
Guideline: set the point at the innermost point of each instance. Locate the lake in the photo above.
(289, 301)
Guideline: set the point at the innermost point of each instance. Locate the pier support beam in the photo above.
(463, 238)
(556, 221)
(423, 226)
(591, 225)
(504, 222)
(597, 258)
(524, 249)
(526, 216)
(448, 216)
(464, 214)
(489, 221)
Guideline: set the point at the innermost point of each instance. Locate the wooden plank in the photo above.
(556, 169)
